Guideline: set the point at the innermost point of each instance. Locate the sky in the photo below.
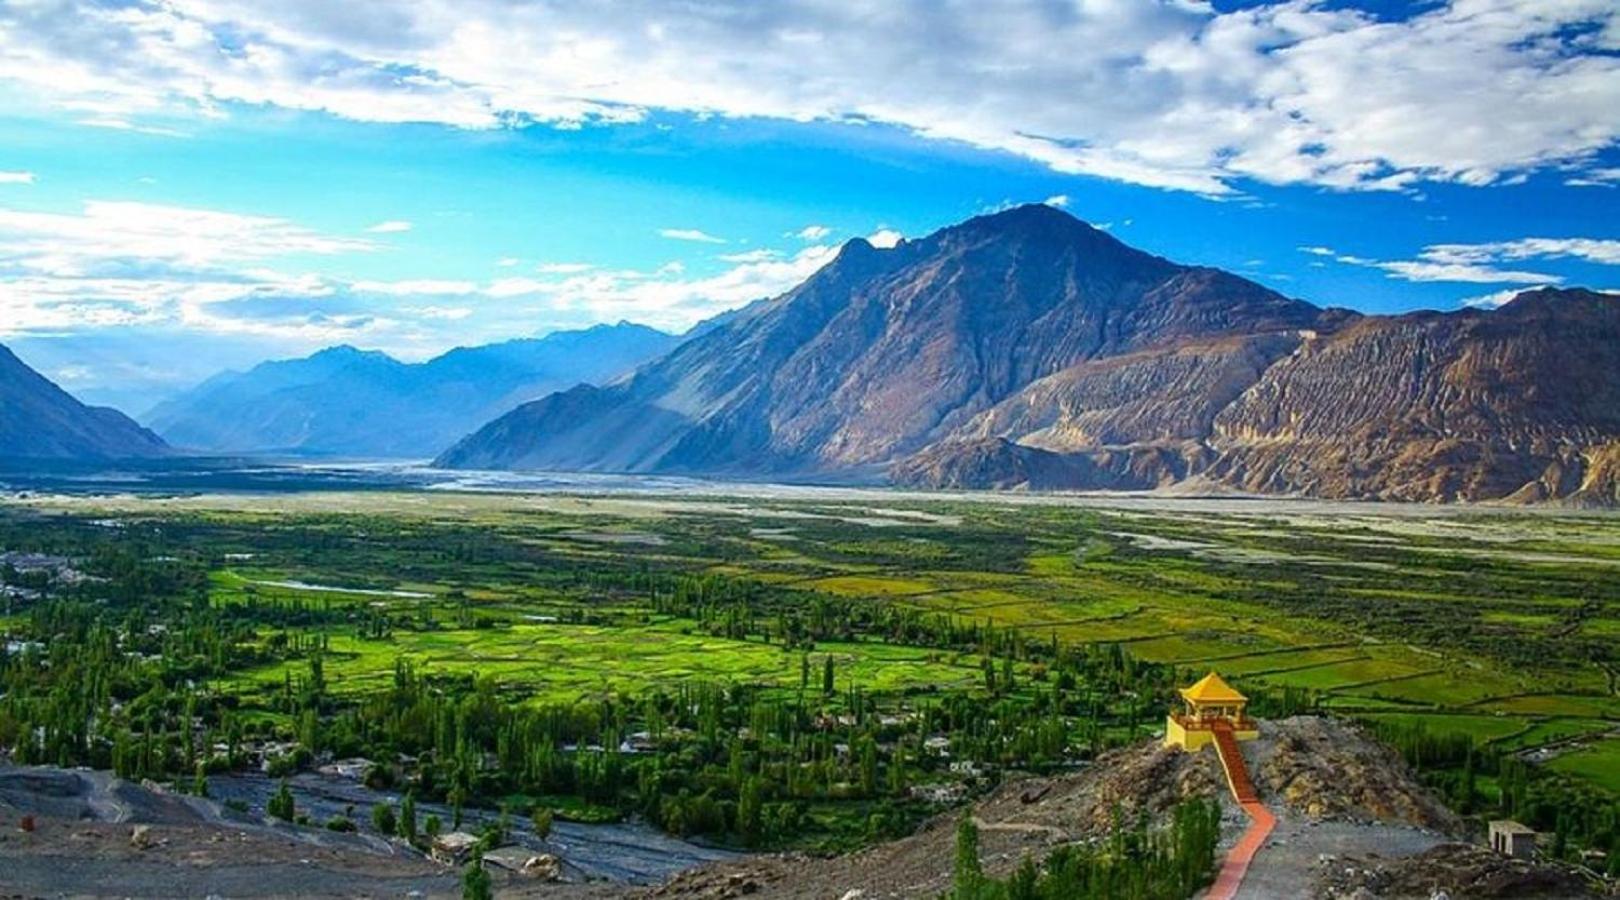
(194, 185)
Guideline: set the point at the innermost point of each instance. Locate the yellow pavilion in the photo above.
(1211, 706)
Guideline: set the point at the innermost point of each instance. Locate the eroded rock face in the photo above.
(1519, 405)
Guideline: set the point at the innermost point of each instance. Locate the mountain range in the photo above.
(1026, 349)
(39, 420)
(344, 401)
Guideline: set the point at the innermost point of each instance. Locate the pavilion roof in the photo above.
(1212, 688)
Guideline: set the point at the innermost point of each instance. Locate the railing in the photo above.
(1193, 723)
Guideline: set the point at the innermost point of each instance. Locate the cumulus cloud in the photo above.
(210, 272)
(690, 234)
(885, 238)
(392, 226)
(1058, 200)
(1171, 94)
(813, 233)
(16, 177)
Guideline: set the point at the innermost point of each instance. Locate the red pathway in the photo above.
(1262, 821)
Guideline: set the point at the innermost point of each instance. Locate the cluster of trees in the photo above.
(1490, 782)
(120, 680)
(1135, 863)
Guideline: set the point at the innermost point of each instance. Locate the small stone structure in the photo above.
(1509, 838)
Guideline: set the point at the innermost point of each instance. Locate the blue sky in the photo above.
(208, 183)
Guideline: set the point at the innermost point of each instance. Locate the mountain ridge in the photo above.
(1026, 349)
(345, 401)
(39, 420)
(910, 344)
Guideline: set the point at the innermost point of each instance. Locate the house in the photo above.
(1510, 838)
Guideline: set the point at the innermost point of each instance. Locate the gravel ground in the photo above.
(84, 823)
(1288, 863)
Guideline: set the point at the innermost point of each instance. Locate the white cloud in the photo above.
(885, 238)
(507, 262)
(1058, 200)
(446, 313)
(1596, 250)
(1423, 270)
(118, 124)
(667, 297)
(812, 233)
(124, 234)
(16, 177)
(408, 287)
(131, 268)
(562, 268)
(1498, 299)
(392, 226)
(749, 256)
(1171, 94)
(690, 234)
(1480, 263)
(1492, 300)
(1605, 178)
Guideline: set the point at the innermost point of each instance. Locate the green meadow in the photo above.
(1497, 624)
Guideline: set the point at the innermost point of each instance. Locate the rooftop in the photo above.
(1212, 688)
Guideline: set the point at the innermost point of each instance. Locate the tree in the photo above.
(1025, 881)
(407, 817)
(475, 882)
(281, 803)
(827, 676)
(382, 818)
(750, 810)
(968, 879)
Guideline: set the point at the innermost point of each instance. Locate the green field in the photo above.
(1497, 627)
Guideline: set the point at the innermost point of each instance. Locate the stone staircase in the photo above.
(1237, 774)
(1229, 881)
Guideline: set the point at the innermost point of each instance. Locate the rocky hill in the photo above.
(1026, 349)
(39, 420)
(363, 403)
(1352, 821)
(1333, 790)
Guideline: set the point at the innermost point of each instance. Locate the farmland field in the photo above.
(1494, 625)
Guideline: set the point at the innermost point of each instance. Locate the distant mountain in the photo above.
(883, 352)
(1026, 349)
(343, 401)
(40, 420)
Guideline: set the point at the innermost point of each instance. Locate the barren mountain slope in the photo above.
(884, 351)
